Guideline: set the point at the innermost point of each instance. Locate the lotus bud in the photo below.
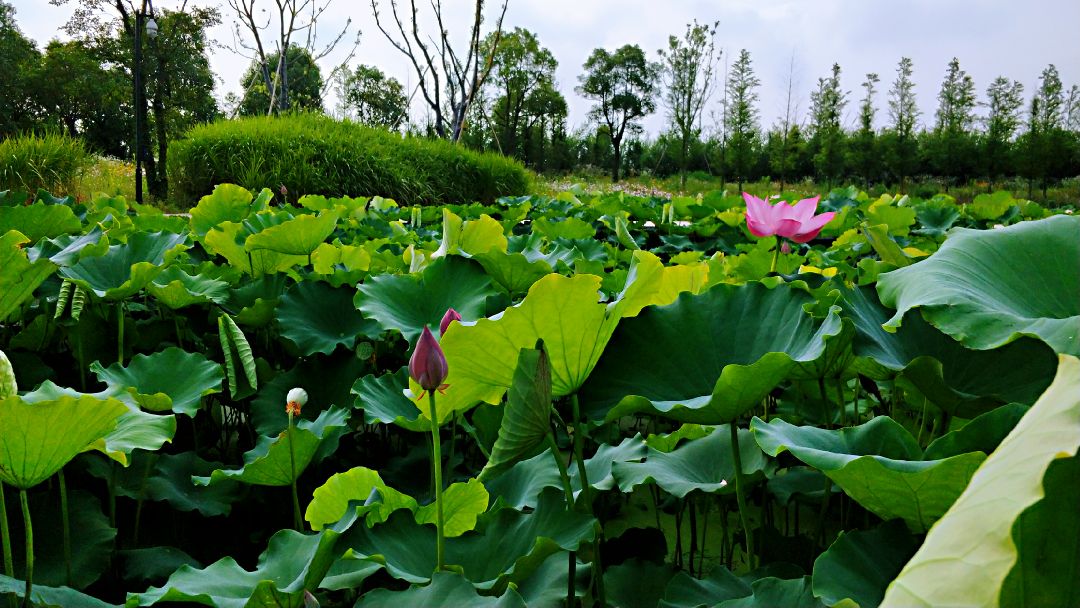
(8, 388)
(428, 363)
(450, 316)
(295, 400)
(785, 248)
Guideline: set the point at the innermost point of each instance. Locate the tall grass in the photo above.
(52, 162)
(314, 154)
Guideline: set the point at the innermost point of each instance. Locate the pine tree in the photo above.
(864, 152)
(826, 110)
(900, 141)
(1005, 98)
(742, 117)
(951, 146)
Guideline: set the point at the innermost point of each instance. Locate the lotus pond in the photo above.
(587, 399)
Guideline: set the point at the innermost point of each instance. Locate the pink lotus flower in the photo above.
(428, 363)
(796, 222)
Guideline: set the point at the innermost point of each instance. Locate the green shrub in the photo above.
(315, 154)
(51, 162)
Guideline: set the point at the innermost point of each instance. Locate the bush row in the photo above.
(314, 154)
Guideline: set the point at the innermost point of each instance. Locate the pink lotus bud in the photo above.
(428, 363)
(451, 315)
(785, 248)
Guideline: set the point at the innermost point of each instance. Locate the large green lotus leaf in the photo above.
(520, 485)
(228, 238)
(563, 312)
(300, 235)
(383, 400)
(547, 586)
(177, 289)
(270, 462)
(227, 203)
(39, 220)
(292, 564)
(770, 592)
(19, 277)
(470, 237)
(567, 228)
(153, 563)
(92, 539)
(957, 379)
(685, 591)
(680, 471)
(1046, 573)
(135, 429)
(319, 318)
(968, 555)
(514, 272)
(408, 303)
(126, 268)
(446, 590)
(171, 483)
(65, 250)
(637, 583)
(711, 356)
(50, 597)
(330, 501)
(169, 380)
(983, 434)
(878, 464)
(988, 287)
(527, 417)
(860, 564)
(37, 439)
(463, 502)
(507, 545)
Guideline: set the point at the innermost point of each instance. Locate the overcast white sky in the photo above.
(990, 37)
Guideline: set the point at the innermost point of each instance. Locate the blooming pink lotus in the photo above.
(796, 222)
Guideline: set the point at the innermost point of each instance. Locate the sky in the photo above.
(990, 38)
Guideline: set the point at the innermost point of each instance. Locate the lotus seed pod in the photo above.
(365, 350)
(8, 388)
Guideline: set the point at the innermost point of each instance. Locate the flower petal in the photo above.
(804, 209)
(810, 229)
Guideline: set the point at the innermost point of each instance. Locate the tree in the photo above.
(742, 117)
(521, 68)
(274, 69)
(1072, 109)
(85, 98)
(863, 151)
(827, 104)
(899, 141)
(372, 97)
(950, 147)
(623, 84)
(20, 59)
(304, 78)
(781, 159)
(1045, 145)
(178, 83)
(1005, 98)
(460, 76)
(689, 64)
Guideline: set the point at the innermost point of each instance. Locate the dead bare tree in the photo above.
(293, 18)
(440, 69)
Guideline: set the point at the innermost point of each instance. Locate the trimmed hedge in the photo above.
(315, 154)
(51, 162)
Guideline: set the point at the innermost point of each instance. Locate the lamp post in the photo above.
(141, 21)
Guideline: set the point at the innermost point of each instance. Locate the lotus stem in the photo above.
(120, 332)
(66, 522)
(586, 491)
(297, 522)
(5, 538)
(571, 588)
(436, 459)
(28, 530)
(740, 494)
(775, 257)
(150, 461)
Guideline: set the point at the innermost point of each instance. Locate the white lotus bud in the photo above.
(295, 400)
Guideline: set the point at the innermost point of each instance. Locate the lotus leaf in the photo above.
(987, 288)
(169, 380)
(972, 546)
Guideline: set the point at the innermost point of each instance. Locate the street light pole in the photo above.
(140, 118)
